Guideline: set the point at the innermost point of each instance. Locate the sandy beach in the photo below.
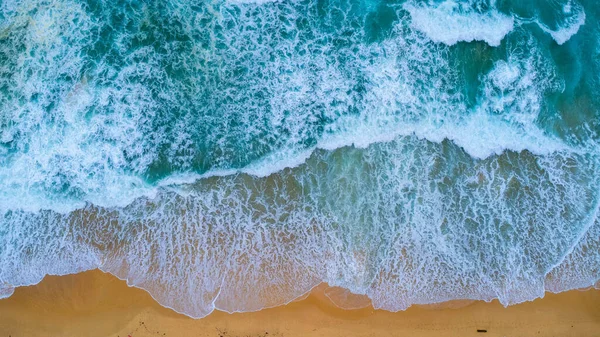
(97, 304)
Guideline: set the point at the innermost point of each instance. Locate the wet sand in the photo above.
(97, 304)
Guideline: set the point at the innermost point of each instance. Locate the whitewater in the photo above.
(232, 155)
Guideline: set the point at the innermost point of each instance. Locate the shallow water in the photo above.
(234, 154)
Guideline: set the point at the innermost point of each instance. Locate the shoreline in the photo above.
(93, 303)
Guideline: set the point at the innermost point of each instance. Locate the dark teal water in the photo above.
(234, 154)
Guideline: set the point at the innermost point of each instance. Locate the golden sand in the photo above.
(97, 304)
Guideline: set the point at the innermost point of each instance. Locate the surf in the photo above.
(232, 155)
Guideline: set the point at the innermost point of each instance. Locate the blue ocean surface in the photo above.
(234, 154)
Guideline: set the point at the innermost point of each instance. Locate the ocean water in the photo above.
(234, 154)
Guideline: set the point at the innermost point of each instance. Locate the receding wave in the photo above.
(232, 155)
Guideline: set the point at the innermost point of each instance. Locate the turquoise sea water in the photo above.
(233, 154)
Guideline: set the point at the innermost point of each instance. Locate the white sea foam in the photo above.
(580, 268)
(99, 159)
(277, 162)
(575, 19)
(65, 156)
(449, 23)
